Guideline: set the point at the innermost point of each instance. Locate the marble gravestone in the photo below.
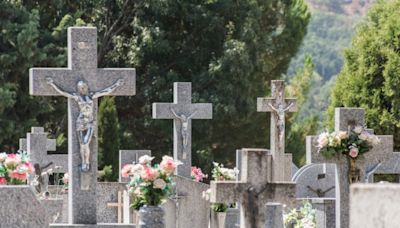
(187, 208)
(390, 166)
(374, 205)
(278, 105)
(274, 214)
(254, 191)
(82, 82)
(319, 183)
(129, 157)
(182, 111)
(346, 118)
(37, 144)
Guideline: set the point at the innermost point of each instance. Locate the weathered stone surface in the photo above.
(20, 208)
(278, 105)
(107, 192)
(37, 144)
(82, 66)
(129, 156)
(253, 190)
(374, 205)
(182, 105)
(99, 225)
(388, 166)
(274, 215)
(187, 208)
(54, 209)
(379, 153)
(232, 218)
(325, 212)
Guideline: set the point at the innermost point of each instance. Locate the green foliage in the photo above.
(109, 141)
(370, 77)
(106, 174)
(302, 217)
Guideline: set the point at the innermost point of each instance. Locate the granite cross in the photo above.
(128, 157)
(37, 144)
(182, 111)
(82, 82)
(254, 190)
(345, 119)
(278, 105)
(119, 205)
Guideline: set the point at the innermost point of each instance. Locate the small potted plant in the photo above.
(149, 187)
(304, 217)
(218, 210)
(350, 144)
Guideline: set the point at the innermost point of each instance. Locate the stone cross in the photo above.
(390, 166)
(37, 145)
(119, 205)
(346, 118)
(82, 82)
(278, 105)
(254, 190)
(129, 156)
(182, 111)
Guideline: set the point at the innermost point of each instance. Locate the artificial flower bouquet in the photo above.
(197, 174)
(150, 185)
(353, 143)
(15, 168)
(303, 217)
(220, 173)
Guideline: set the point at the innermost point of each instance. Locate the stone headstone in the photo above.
(278, 105)
(82, 72)
(187, 208)
(374, 205)
(346, 118)
(325, 214)
(389, 166)
(54, 209)
(182, 111)
(108, 195)
(37, 145)
(21, 208)
(253, 191)
(274, 215)
(128, 157)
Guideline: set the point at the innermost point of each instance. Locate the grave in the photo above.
(374, 205)
(128, 157)
(254, 191)
(346, 118)
(82, 83)
(278, 105)
(187, 208)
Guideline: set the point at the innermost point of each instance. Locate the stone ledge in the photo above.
(99, 225)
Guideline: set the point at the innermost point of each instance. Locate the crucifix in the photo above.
(347, 119)
(82, 83)
(253, 191)
(278, 105)
(182, 111)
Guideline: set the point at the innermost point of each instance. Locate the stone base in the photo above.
(99, 225)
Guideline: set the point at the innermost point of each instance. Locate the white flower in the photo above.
(334, 139)
(206, 194)
(343, 135)
(374, 140)
(323, 140)
(364, 136)
(136, 169)
(159, 183)
(358, 129)
(3, 156)
(145, 159)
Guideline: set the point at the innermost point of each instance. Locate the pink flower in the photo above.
(12, 160)
(126, 170)
(18, 175)
(353, 152)
(29, 167)
(323, 140)
(3, 156)
(168, 165)
(145, 159)
(3, 181)
(197, 174)
(149, 174)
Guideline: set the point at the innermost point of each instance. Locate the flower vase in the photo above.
(218, 219)
(354, 171)
(151, 217)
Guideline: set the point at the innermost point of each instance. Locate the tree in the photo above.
(109, 142)
(370, 78)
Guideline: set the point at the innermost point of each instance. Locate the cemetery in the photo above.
(242, 150)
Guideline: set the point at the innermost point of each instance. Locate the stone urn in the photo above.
(21, 208)
(151, 217)
(218, 219)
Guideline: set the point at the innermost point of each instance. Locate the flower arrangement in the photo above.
(220, 173)
(150, 185)
(351, 144)
(197, 174)
(303, 217)
(15, 168)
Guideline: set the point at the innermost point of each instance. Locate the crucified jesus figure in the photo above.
(184, 128)
(280, 123)
(85, 122)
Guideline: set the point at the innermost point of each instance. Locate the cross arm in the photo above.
(194, 111)
(39, 78)
(264, 104)
(123, 79)
(226, 191)
(281, 191)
